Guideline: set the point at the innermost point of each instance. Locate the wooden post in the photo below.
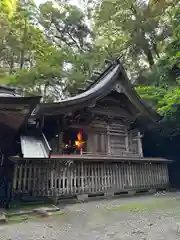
(20, 177)
(166, 174)
(82, 177)
(140, 145)
(25, 177)
(127, 141)
(14, 188)
(30, 178)
(108, 141)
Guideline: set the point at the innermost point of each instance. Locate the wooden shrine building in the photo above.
(88, 144)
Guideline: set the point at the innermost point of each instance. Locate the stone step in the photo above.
(128, 192)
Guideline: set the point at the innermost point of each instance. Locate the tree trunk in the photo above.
(146, 48)
(149, 56)
(22, 53)
(156, 50)
(11, 65)
(22, 59)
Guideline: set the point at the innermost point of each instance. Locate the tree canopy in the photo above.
(52, 49)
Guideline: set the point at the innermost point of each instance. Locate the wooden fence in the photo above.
(59, 179)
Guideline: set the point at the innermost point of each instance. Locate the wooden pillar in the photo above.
(25, 177)
(166, 174)
(20, 177)
(127, 141)
(14, 186)
(108, 140)
(82, 177)
(140, 151)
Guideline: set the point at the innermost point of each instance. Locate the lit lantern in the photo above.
(79, 143)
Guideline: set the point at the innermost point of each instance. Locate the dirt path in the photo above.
(151, 218)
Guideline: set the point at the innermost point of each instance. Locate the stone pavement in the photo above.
(97, 220)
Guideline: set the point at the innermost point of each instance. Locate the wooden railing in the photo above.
(59, 179)
(104, 154)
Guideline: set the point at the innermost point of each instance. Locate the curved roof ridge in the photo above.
(103, 74)
(101, 88)
(103, 85)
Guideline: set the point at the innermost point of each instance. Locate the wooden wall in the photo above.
(113, 138)
(97, 140)
(53, 177)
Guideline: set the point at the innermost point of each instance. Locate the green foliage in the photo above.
(39, 44)
(133, 25)
(151, 94)
(8, 7)
(161, 85)
(166, 101)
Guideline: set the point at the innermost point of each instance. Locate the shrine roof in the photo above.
(14, 110)
(114, 75)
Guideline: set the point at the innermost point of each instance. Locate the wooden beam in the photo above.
(77, 126)
(121, 113)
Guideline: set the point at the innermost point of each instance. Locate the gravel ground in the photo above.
(107, 220)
